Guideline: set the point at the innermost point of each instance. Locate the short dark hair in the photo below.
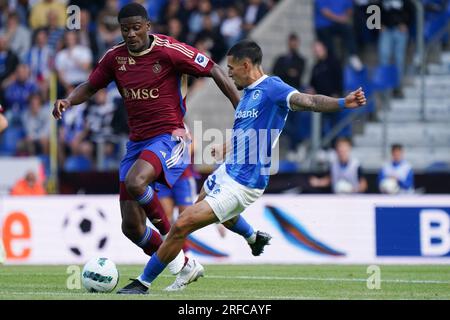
(396, 146)
(132, 10)
(344, 140)
(293, 36)
(247, 49)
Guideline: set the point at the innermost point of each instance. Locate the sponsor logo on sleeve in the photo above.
(201, 60)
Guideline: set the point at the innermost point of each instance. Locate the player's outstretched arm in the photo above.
(225, 84)
(80, 94)
(321, 103)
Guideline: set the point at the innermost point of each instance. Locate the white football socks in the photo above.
(176, 264)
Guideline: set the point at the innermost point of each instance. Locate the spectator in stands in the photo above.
(72, 130)
(99, 118)
(290, 66)
(363, 35)
(345, 174)
(396, 176)
(82, 158)
(172, 9)
(4, 9)
(334, 18)
(22, 8)
(88, 36)
(110, 159)
(108, 25)
(39, 13)
(210, 34)
(231, 27)
(204, 8)
(28, 186)
(36, 123)
(18, 92)
(8, 63)
(55, 33)
(395, 18)
(153, 7)
(175, 29)
(73, 63)
(18, 36)
(39, 59)
(327, 79)
(254, 12)
(183, 11)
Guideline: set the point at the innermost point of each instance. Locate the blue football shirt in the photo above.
(258, 122)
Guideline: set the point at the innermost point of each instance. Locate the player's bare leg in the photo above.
(193, 218)
(134, 213)
(256, 240)
(137, 183)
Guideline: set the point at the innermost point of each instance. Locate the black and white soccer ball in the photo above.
(85, 231)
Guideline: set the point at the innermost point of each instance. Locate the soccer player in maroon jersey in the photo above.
(150, 73)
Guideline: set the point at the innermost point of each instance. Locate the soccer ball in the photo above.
(85, 231)
(343, 186)
(100, 275)
(389, 186)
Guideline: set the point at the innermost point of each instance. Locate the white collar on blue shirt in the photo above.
(254, 84)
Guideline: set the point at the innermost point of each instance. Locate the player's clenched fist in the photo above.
(355, 99)
(59, 107)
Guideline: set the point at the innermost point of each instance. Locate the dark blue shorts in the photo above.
(183, 192)
(173, 152)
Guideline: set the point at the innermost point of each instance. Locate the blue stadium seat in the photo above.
(9, 140)
(286, 166)
(438, 166)
(384, 77)
(354, 79)
(77, 164)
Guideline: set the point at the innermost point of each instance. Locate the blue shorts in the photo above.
(173, 152)
(183, 191)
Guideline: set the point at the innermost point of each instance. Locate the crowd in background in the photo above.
(34, 43)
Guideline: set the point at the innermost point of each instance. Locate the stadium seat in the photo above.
(438, 166)
(286, 166)
(10, 139)
(384, 77)
(77, 164)
(354, 79)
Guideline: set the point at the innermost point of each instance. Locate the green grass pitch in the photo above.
(226, 282)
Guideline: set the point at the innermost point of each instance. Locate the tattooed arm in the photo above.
(321, 103)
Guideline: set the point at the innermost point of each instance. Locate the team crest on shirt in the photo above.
(156, 67)
(256, 94)
(131, 61)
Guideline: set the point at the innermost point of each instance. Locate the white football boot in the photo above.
(190, 273)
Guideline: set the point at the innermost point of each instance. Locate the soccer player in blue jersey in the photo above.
(260, 116)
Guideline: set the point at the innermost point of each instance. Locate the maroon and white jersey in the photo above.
(153, 83)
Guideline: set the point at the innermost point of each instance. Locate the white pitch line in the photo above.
(150, 295)
(276, 278)
(325, 279)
